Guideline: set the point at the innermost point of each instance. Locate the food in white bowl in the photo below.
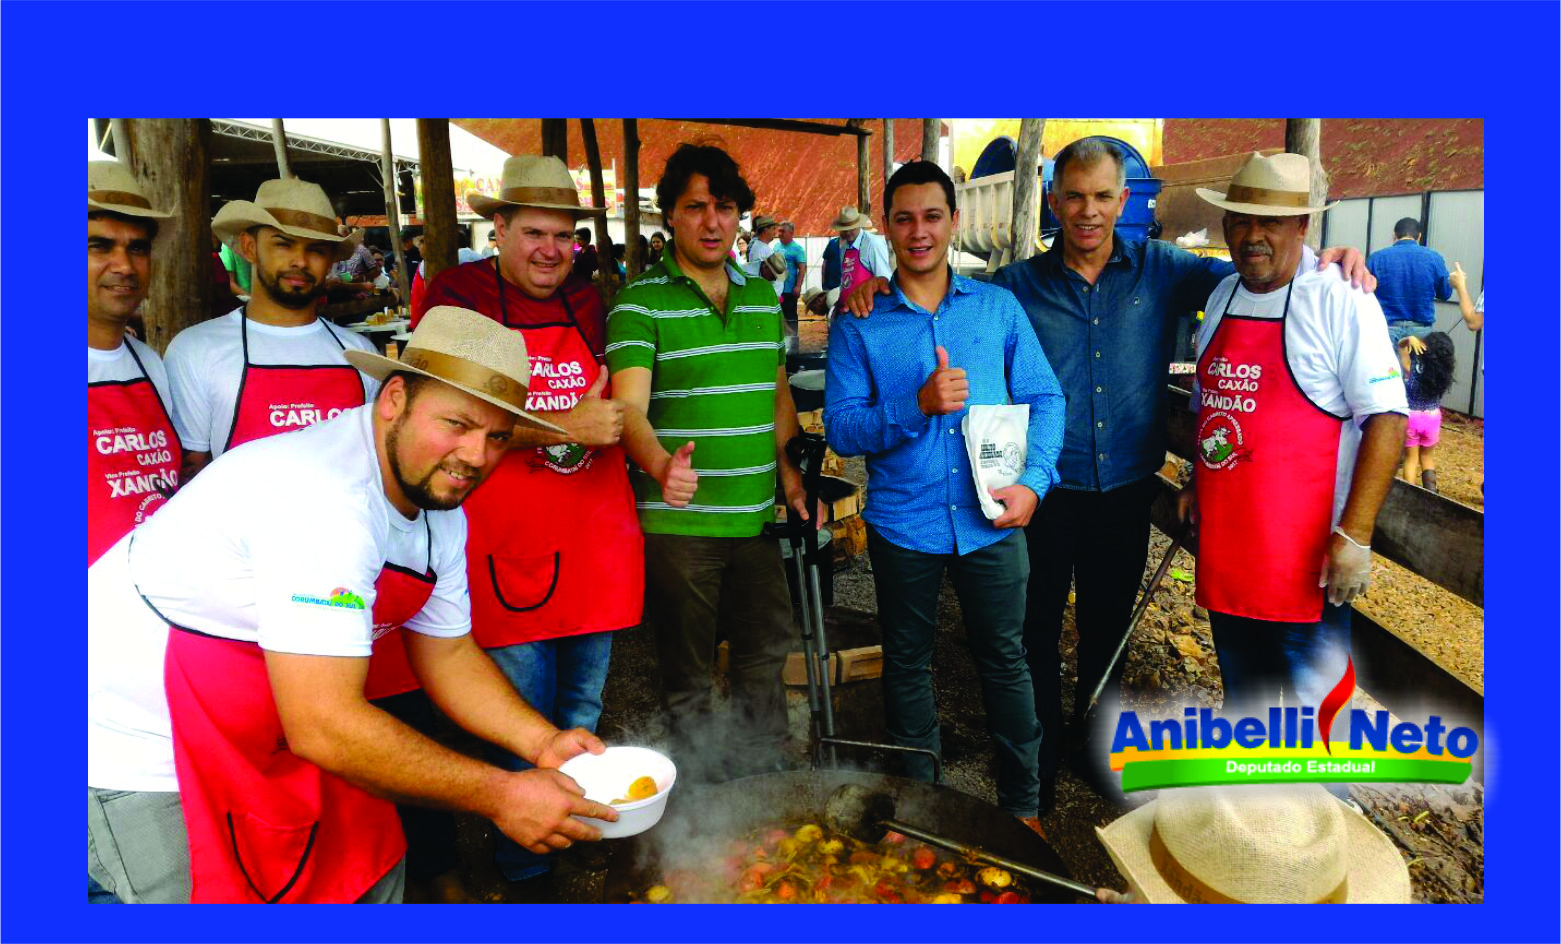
(607, 778)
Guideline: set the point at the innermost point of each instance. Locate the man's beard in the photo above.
(288, 299)
(420, 493)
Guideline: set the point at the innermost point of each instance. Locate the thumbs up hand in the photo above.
(678, 478)
(946, 389)
(594, 421)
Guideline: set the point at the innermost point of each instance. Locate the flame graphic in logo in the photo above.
(1337, 699)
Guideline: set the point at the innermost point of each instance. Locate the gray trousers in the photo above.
(136, 848)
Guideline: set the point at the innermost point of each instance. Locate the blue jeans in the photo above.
(1399, 330)
(562, 679)
(990, 584)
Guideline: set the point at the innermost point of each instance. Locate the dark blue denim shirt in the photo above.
(1408, 276)
(1110, 345)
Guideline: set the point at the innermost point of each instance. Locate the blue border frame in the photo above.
(1496, 60)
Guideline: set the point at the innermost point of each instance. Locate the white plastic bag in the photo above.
(995, 440)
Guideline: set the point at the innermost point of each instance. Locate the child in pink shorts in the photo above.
(1428, 372)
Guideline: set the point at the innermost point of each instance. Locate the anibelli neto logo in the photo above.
(1289, 745)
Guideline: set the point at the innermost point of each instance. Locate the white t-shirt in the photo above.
(1336, 340)
(758, 251)
(206, 362)
(118, 364)
(872, 251)
(270, 544)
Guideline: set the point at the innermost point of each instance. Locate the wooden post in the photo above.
(440, 228)
(555, 138)
(1027, 182)
(387, 170)
(279, 141)
(1304, 136)
(607, 266)
(864, 175)
(888, 150)
(170, 158)
(634, 262)
(929, 138)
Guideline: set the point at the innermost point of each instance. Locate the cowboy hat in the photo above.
(851, 218)
(532, 181)
(113, 188)
(1280, 185)
(471, 352)
(762, 223)
(1258, 844)
(296, 207)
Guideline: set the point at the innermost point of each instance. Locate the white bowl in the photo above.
(606, 777)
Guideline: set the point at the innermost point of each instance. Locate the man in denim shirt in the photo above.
(1412, 279)
(1105, 310)
(897, 389)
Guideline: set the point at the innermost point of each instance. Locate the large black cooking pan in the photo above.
(701, 821)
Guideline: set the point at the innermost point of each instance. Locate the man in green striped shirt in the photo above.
(697, 358)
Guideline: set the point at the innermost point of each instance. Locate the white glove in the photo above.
(1346, 570)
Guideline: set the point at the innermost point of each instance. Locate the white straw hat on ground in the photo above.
(468, 351)
(1279, 185)
(296, 207)
(1257, 844)
(112, 187)
(532, 181)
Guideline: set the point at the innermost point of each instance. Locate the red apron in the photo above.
(280, 398)
(264, 824)
(1267, 460)
(133, 457)
(399, 594)
(852, 274)
(553, 543)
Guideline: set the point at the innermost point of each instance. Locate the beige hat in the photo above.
(1280, 185)
(468, 351)
(112, 187)
(1289, 843)
(762, 223)
(296, 207)
(532, 181)
(851, 218)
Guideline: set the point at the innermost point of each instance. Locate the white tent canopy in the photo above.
(468, 152)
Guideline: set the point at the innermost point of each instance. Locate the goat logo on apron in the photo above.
(1220, 441)
(567, 458)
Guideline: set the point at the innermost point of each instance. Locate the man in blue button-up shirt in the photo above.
(897, 390)
(1105, 310)
(1410, 279)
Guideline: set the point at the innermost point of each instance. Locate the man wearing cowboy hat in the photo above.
(759, 250)
(1280, 844)
(1105, 310)
(554, 552)
(132, 449)
(864, 256)
(271, 366)
(229, 649)
(1301, 416)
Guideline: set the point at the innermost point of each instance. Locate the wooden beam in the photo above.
(284, 169)
(171, 159)
(387, 170)
(634, 261)
(1304, 136)
(607, 266)
(1437, 538)
(1394, 671)
(930, 129)
(555, 138)
(864, 175)
(780, 124)
(1027, 184)
(888, 150)
(439, 226)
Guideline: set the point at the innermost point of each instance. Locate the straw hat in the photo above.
(1280, 185)
(851, 218)
(762, 223)
(532, 181)
(112, 187)
(296, 207)
(470, 352)
(1285, 844)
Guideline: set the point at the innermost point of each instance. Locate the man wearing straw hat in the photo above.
(1277, 844)
(229, 645)
(864, 255)
(271, 366)
(554, 553)
(132, 449)
(1301, 416)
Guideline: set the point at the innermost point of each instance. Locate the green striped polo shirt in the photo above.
(712, 383)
